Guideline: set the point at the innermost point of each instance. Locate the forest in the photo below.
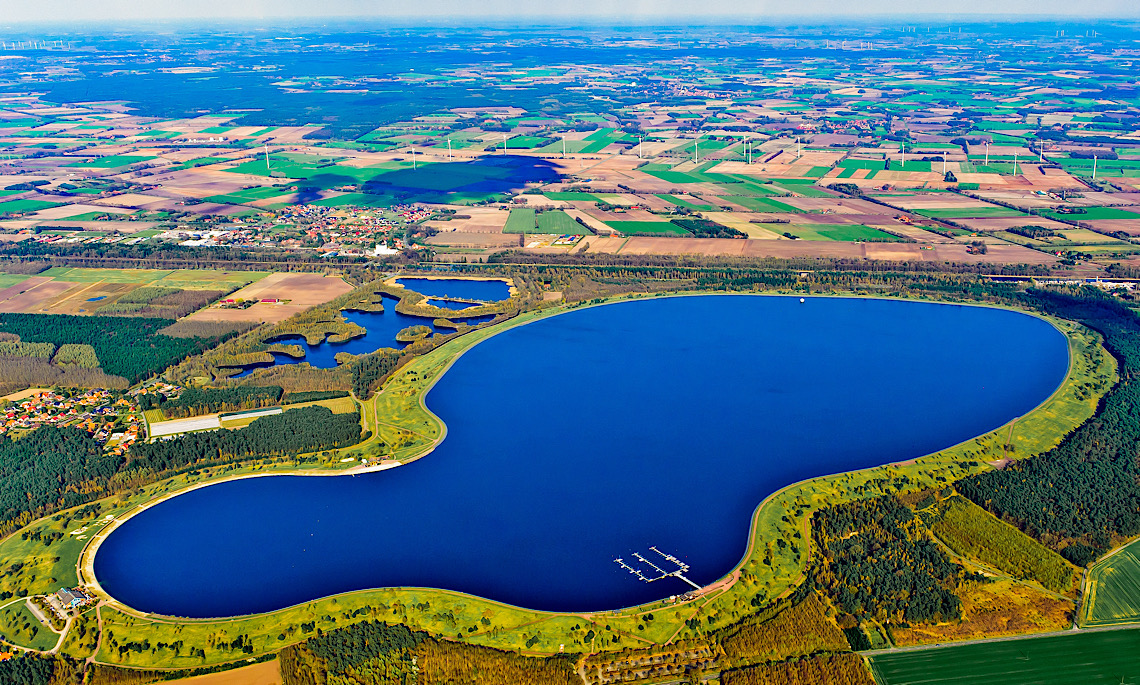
(33, 669)
(371, 370)
(130, 347)
(1083, 495)
(195, 400)
(827, 669)
(52, 467)
(877, 562)
(377, 653)
(297, 431)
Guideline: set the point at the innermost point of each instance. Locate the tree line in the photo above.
(194, 400)
(307, 429)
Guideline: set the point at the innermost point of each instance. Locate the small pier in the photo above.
(649, 571)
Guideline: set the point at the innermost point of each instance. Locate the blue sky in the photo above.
(636, 10)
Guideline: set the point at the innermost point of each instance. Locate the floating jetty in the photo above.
(656, 572)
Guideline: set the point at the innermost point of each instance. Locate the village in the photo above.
(111, 418)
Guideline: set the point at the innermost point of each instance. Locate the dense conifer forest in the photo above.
(130, 347)
(50, 468)
(195, 400)
(1085, 494)
(297, 431)
(877, 562)
(377, 653)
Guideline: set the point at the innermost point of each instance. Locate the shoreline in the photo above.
(86, 561)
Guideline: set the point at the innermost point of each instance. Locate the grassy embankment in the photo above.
(404, 429)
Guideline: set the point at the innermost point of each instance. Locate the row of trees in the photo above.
(308, 429)
(195, 400)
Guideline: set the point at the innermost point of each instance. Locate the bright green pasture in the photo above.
(643, 227)
(673, 199)
(19, 206)
(1096, 213)
(190, 279)
(1114, 589)
(571, 196)
(9, 280)
(969, 212)
(760, 204)
(839, 232)
(1108, 657)
(558, 222)
(520, 221)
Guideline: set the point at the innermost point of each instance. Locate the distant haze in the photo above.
(640, 11)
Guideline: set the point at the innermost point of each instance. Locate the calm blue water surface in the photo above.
(382, 328)
(587, 436)
(487, 291)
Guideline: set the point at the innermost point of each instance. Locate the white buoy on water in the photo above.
(801, 300)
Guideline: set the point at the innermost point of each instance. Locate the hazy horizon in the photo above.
(634, 11)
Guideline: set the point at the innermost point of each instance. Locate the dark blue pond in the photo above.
(382, 328)
(487, 291)
(594, 434)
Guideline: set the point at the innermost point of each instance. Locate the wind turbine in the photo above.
(449, 156)
(267, 170)
(504, 143)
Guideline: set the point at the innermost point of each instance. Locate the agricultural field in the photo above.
(1114, 589)
(1084, 657)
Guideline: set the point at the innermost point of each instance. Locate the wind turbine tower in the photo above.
(267, 170)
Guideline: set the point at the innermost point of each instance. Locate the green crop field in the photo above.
(1114, 589)
(839, 232)
(1096, 213)
(673, 199)
(1088, 657)
(520, 221)
(647, 228)
(970, 212)
(189, 279)
(9, 280)
(760, 204)
(558, 222)
(571, 197)
(112, 161)
(13, 206)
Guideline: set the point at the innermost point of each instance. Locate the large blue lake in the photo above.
(593, 434)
